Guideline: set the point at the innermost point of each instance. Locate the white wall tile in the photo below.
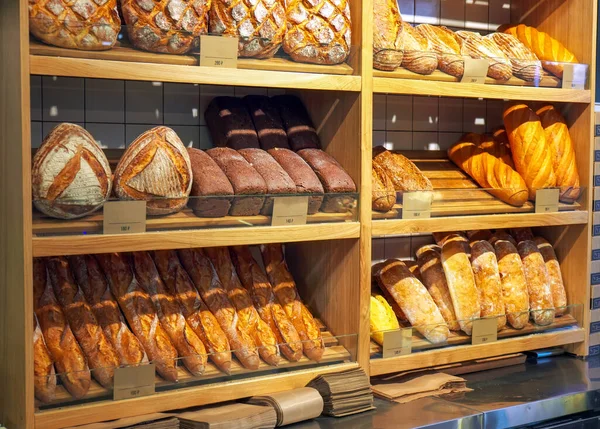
(474, 116)
(47, 127)
(35, 83)
(379, 116)
(398, 140)
(450, 114)
(205, 139)
(108, 136)
(36, 134)
(105, 100)
(182, 104)
(63, 99)
(132, 132)
(399, 112)
(397, 247)
(207, 93)
(143, 102)
(190, 136)
(378, 138)
(424, 140)
(425, 113)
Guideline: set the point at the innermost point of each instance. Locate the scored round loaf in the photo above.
(70, 176)
(90, 25)
(156, 168)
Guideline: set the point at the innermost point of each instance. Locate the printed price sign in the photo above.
(484, 331)
(574, 76)
(134, 381)
(416, 205)
(124, 217)
(546, 200)
(289, 211)
(475, 70)
(218, 51)
(397, 343)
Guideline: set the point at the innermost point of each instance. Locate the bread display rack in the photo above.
(329, 257)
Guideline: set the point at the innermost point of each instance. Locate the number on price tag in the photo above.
(134, 381)
(124, 217)
(475, 70)
(484, 331)
(218, 51)
(546, 200)
(397, 343)
(289, 211)
(416, 205)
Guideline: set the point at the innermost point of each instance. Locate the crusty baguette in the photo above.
(264, 337)
(415, 301)
(94, 286)
(139, 311)
(538, 283)
(186, 342)
(559, 294)
(432, 272)
(487, 280)
(207, 283)
(285, 290)
(197, 315)
(496, 144)
(64, 350)
(461, 282)
(256, 283)
(44, 376)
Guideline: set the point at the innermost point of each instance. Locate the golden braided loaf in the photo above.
(77, 24)
(318, 31)
(260, 24)
(559, 141)
(388, 35)
(530, 151)
(476, 46)
(166, 26)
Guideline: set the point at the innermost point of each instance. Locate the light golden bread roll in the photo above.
(388, 37)
(476, 46)
(443, 42)
(381, 318)
(559, 294)
(418, 55)
(525, 65)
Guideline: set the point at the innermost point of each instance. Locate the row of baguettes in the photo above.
(97, 312)
(508, 276)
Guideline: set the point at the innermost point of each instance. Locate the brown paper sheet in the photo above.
(412, 384)
(292, 406)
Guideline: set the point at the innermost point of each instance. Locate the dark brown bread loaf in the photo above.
(244, 179)
(267, 121)
(299, 127)
(208, 183)
(230, 123)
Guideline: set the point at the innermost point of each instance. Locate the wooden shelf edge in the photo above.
(181, 398)
(184, 239)
(105, 69)
(455, 354)
(493, 221)
(456, 89)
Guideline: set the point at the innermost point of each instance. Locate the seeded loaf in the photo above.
(208, 182)
(267, 121)
(299, 127)
(230, 124)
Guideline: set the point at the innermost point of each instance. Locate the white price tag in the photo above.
(546, 200)
(416, 205)
(397, 343)
(484, 331)
(218, 51)
(134, 381)
(475, 70)
(574, 76)
(124, 217)
(289, 211)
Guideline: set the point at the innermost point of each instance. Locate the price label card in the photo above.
(289, 211)
(218, 51)
(484, 331)
(475, 70)
(397, 343)
(124, 217)
(574, 76)
(134, 381)
(546, 200)
(416, 205)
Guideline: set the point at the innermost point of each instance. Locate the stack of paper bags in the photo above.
(292, 406)
(410, 387)
(344, 393)
(230, 416)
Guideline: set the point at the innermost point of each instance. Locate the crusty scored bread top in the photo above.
(388, 43)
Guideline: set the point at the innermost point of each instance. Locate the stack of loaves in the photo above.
(512, 277)
(95, 313)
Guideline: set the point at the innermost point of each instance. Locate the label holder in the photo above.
(475, 70)
(124, 217)
(574, 76)
(397, 343)
(416, 205)
(546, 200)
(218, 51)
(134, 381)
(484, 331)
(289, 211)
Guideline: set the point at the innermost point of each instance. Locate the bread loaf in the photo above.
(207, 282)
(155, 168)
(538, 283)
(90, 26)
(140, 313)
(522, 234)
(414, 300)
(44, 376)
(285, 290)
(93, 284)
(375, 289)
(479, 234)
(270, 310)
(66, 354)
(298, 125)
(230, 124)
(318, 32)
(487, 280)
(381, 318)
(559, 294)
(444, 44)
(476, 46)
(525, 65)
(211, 194)
(499, 146)
(441, 237)
(418, 55)
(501, 234)
(383, 193)
(258, 24)
(165, 26)
(267, 122)
(388, 38)
(404, 173)
(564, 163)
(70, 175)
(432, 272)
(413, 267)
(461, 281)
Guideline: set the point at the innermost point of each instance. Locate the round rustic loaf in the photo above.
(70, 176)
(155, 167)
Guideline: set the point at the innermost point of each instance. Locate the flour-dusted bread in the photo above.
(388, 38)
(418, 54)
(165, 26)
(76, 24)
(70, 176)
(156, 168)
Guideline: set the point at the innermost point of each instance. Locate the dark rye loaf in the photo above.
(212, 193)
(267, 121)
(230, 124)
(299, 127)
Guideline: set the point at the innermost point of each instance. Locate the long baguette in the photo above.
(559, 294)
(287, 295)
(263, 336)
(186, 342)
(538, 283)
(197, 315)
(206, 280)
(64, 350)
(487, 280)
(94, 286)
(140, 313)
(377, 290)
(44, 376)
(256, 283)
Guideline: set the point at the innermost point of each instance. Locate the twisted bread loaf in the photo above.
(418, 56)
(388, 35)
(476, 46)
